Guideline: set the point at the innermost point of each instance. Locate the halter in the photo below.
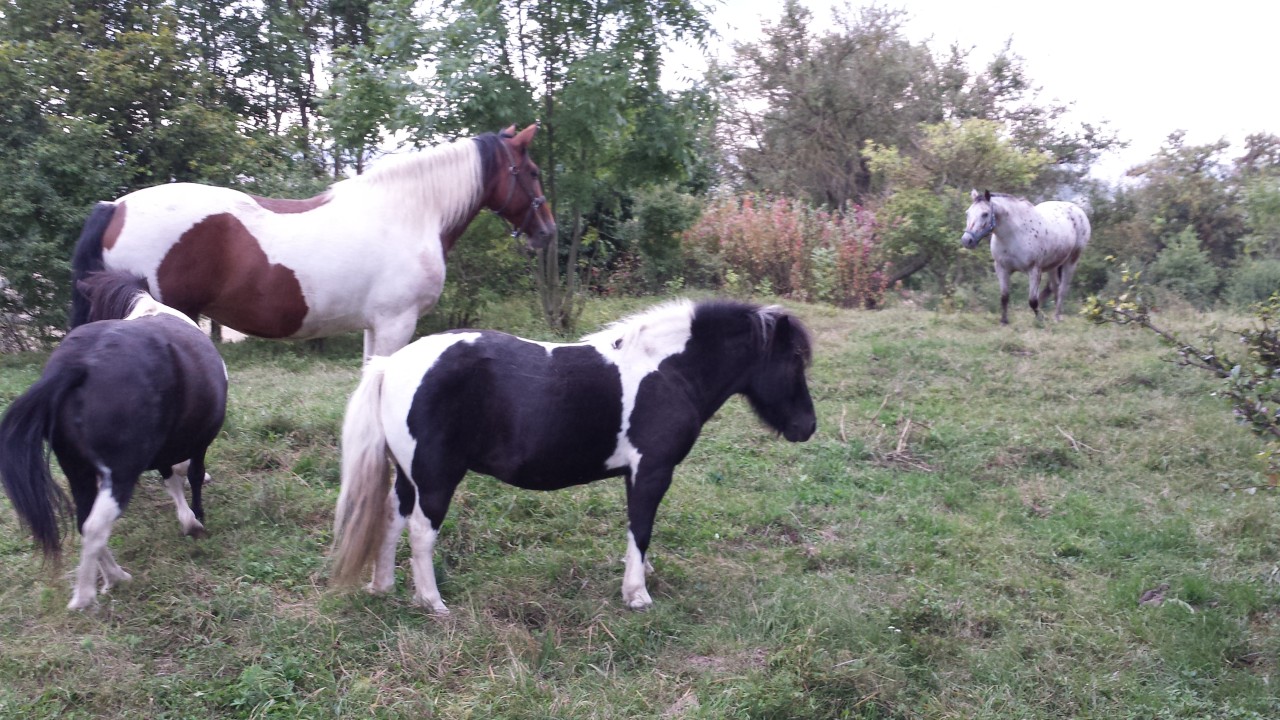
(535, 202)
(990, 228)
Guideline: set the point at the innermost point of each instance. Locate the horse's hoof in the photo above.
(435, 607)
(373, 589)
(640, 605)
(196, 531)
(79, 604)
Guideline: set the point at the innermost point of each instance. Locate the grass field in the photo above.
(966, 536)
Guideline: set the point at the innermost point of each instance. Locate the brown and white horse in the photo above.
(366, 254)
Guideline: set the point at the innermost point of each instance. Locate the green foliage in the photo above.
(1249, 374)
(484, 267)
(659, 217)
(1252, 282)
(1184, 268)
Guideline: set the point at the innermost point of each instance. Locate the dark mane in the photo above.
(492, 159)
(112, 293)
(763, 323)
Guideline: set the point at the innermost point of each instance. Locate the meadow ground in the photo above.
(967, 535)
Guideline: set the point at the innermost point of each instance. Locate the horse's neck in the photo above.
(440, 187)
(1012, 217)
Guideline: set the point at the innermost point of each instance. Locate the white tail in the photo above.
(360, 519)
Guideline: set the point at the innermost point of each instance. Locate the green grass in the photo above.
(966, 536)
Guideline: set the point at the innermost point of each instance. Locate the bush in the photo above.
(1186, 269)
(780, 246)
(1253, 282)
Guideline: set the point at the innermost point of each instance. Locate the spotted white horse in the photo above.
(1044, 241)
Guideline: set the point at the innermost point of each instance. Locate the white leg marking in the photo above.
(634, 593)
(93, 543)
(112, 573)
(384, 565)
(422, 539)
(186, 517)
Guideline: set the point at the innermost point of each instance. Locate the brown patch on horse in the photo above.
(218, 268)
(112, 233)
(285, 206)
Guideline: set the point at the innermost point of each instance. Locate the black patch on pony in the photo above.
(87, 259)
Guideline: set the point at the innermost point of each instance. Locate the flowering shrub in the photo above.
(781, 246)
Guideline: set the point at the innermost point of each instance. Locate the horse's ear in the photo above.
(974, 195)
(986, 195)
(508, 132)
(526, 135)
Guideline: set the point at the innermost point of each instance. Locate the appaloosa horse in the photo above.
(627, 401)
(139, 387)
(368, 253)
(1040, 240)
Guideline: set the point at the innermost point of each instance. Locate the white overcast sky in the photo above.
(1149, 68)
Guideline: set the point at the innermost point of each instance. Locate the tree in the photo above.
(588, 70)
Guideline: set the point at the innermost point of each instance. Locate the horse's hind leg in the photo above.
(435, 491)
(1065, 274)
(1033, 290)
(95, 530)
(173, 482)
(399, 506)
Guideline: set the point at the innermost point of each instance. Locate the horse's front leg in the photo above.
(1002, 275)
(645, 490)
(389, 334)
(435, 491)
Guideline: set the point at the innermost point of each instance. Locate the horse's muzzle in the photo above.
(800, 430)
(969, 240)
(542, 236)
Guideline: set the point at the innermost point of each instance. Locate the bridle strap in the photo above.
(535, 202)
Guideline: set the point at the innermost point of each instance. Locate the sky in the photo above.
(1211, 69)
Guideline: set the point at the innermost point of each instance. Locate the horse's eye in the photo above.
(534, 174)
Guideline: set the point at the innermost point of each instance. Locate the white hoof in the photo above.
(639, 600)
(79, 603)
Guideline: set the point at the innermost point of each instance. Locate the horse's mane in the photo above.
(648, 330)
(112, 294)
(447, 179)
(1013, 198)
(652, 328)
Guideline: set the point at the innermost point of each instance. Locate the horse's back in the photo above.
(534, 415)
(1069, 222)
(155, 381)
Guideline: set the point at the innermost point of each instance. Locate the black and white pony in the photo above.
(627, 401)
(138, 388)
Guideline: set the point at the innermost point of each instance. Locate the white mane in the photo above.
(443, 181)
(659, 331)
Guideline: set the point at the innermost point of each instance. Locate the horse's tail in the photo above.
(361, 520)
(24, 467)
(88, 259)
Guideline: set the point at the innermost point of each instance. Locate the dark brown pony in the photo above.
(139, 388)
(366, 254)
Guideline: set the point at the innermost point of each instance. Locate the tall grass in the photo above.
(967, 535)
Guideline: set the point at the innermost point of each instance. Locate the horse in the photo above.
(139, 387)
(1036, 239)
(366, 254)
(628, 401)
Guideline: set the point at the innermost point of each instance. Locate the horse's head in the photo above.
(980, 219)
(779, 391)
(515, 192)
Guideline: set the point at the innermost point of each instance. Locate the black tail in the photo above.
(24, 467)
(88, 259)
